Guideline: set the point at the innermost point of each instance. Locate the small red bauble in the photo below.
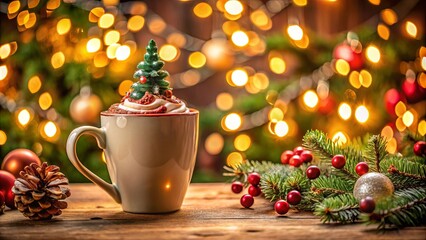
(254, 178)
(367, 205)
(7, 181)
(298, 150)
(237, 187)
(419, 148)
(281, 207)
(361, 168)
(254, 190)
(392, 97)
(413, 91)
(15, 161)
(345, 52)
(294, 197)
(306, 156)
(285, 156)
(2, 201)
(313, 172)
(142, 79)
(10, 199)
(295, 161)
(338, 161)
(247, 200)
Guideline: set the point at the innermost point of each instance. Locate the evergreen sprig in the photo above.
(375, 152)
(331, 186)
(342, 208)
(241, 171)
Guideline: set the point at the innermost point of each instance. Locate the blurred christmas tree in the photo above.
(62, 62)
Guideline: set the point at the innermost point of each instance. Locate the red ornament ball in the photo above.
(367, 205)
(361, 168)
(313, 172)
(413, 91)
(295, 161)
(247, 200)
(237, 187)
(345, 52)
(254, 178)
(285, 156)
(281, 207)
(7, 180)
(338, 161)
(142, 79)
(392, 97)
(306, 156)
(15, 161)
(254, 190)
(419, 148)
(327, 105)
(298, 150)
(294, 197)
(2, 202)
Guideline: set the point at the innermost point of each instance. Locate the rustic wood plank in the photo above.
(209, 211)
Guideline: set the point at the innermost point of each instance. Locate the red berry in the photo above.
(338, 161)
(237, 187)
(10, 199)
(295, 161)
(247, 200)
(298, 150)
(313, 172)
(254, 178)
(281, 207)
(420, 148)
(306, 156)
(294, 197)
(142, 79)
(361, 168)
(254, 190)
(285, 156)
(367, 205)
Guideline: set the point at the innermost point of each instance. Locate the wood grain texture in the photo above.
(210, 211)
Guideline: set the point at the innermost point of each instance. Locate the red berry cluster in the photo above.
(282, 206)
(296, 157)
(339, 161)
(254, 190)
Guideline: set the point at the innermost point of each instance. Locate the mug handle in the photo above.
(99, 135)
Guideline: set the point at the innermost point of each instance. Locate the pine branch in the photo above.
(331, 186)
(342, 208)
(241, 171)
(272, 185)
(375, 152)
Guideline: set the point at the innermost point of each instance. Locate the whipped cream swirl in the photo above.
(175, 106)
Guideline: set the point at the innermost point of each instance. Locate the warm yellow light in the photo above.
(3, 137)
(197, 60)
(423, 64)
(239, 77)
(96, 13)
(93, 45)
(361, 114)
(387, 132)
(135, 23)
(214, 143)
(234, 7)
(365, 78)
(242, 142)
(383, 31)
(224, 101)
(177, 39)
(57, 60)
(400, 125)
(111, 37)
(23, 17)
(168, 53)
(345, 111)
(233, 121)
(234, 159)
(411, 29)
(32, 18)
(260, 81)
(202, 10)
(157, 25)
(340, 138)
(5, 51)
(342, 67)
(240, 38)
(13, 7)
(374, 2)
(122, 52)
(300, 3)
(111, 50)
(400, 108)
(310, 98)
(277, 65)
(106, 20)
(100, 59)
(50, 129)
(421, 128)
(190, 77)
(229, 27)
(355, 79)
(276, 114)
(281, 129)
(373, 54)
(408, 118)
(389, 16)
(167, 186)
(34, 84)
(3, 72)
(63, 26)
(124, 87)
(295, 32)
(24, 117)
(259, 18)
(53, 4)
(392, 146)
(33, 3)
(45, 101)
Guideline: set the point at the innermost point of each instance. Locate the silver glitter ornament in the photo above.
(373, 184)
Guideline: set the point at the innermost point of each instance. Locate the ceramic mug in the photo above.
(150, 158)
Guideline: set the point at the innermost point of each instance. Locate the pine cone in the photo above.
(39, 191)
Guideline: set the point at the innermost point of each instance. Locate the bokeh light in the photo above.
(400, 108)
(24, 116)
(5, 51)
(45, 101)
(239, 77)
(387, 132)
(233, 7)
(310, 99)
(373, 54)
(411, 29)
(13, 7)
(234, 159)
(111, 37)
(345, 111)
(276, 114)
(408, 118)
(421, 128)
(3, 137)
(106, 20)
(122, 53)
(3, 72)
(232, 122)
(240, 38)
(392, 146)
(295, 32)
(260, 81)
(300, 3)
(124, 87)
(57, 60)
(63, 26)
(224, 101)
(340, 138)
(34, 84)
(202, 10)
(242, 142)
(214, 143)
(362, 114)
(342, 67)
(389, 16)
(197, 60)
(168, 53)
(281, 128)
(93, 45)
(135, 23)
(277, 65)
(383, 31)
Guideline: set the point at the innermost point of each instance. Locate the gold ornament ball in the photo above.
(218, 54)
(16, 160)
(85, 108)
(375, 185)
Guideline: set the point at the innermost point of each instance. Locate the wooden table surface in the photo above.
(209, 211)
